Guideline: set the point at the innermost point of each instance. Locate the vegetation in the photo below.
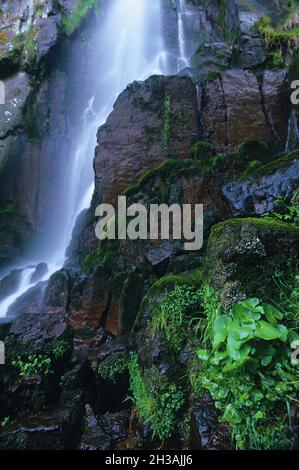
(248, 372)
(5, 422)
(278, 38)
(157, 401)
(284, 212)
(173, 313)
(35, 364)
(70, 24)
(113, 368)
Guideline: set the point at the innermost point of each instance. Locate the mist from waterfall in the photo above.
(130, 47)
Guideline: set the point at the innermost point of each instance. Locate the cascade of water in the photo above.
(130, 48)
(183, 59)
(25, 284)
(293, 133)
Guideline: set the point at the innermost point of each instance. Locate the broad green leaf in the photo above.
(272, 314)
(266, 331)
(220, 329)
(243, 314)
(283, 332)
(253, 305)
(231, 415)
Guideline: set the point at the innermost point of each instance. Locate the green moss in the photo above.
(201, 150)
(211, 76)
(278, 38)
(9, 209)
(191, 279)
(101, 255)
(164, 170)
(114, 367)
(258, 170)
(253, 150)
(70, 24)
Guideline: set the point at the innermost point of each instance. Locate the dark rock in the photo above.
(57, 294)
(104, 432)
(207, 432)
(227, 105)
(258, 195)
(10, 283)
(242, 254)
(40, 271)
(53, 429)
(38, 334)
(132, 142)
(30, 302)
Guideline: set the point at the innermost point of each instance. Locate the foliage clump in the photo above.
(157, 401)
(248, 372)
(114, 367)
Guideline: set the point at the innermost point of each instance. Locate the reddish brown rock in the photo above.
(235, 107)
(151, 121)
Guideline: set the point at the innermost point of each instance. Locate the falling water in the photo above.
(183, 60)
(293, 133)
(130, 48)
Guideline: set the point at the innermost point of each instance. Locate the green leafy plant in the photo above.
(157, 401)
(284, 212)
(248, 372)
(35, 364)
(173, 314)
(59, 349)
(5, 422)
(114, 367)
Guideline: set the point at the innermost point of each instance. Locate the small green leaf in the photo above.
(203, 355)
(231, 415)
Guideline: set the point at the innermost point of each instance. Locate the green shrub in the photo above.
(173, 314)
(284, 212)
(157, 401)
(114, 367)
(249, 375)
(35, 364)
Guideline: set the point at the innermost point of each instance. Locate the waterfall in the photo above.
(183, 60)
(24, 285)
(130, 48)
(293, 133)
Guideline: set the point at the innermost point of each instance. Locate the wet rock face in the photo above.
(258, 195)
(33, 334)
(10, 283)
(235, 107)
(150, 121)
(15, 232)
(241, 255)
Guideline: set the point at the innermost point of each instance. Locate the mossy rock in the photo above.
(160, 288)
(243, 256)
(254, 150)
(257, 169)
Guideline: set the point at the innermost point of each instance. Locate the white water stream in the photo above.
(131, 47)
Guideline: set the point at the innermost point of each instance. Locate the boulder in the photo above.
(10, 283)
(150, 121)
(40, 271)
(244, 254)
(235, 107)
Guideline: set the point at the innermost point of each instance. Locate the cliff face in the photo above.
(220, 133)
